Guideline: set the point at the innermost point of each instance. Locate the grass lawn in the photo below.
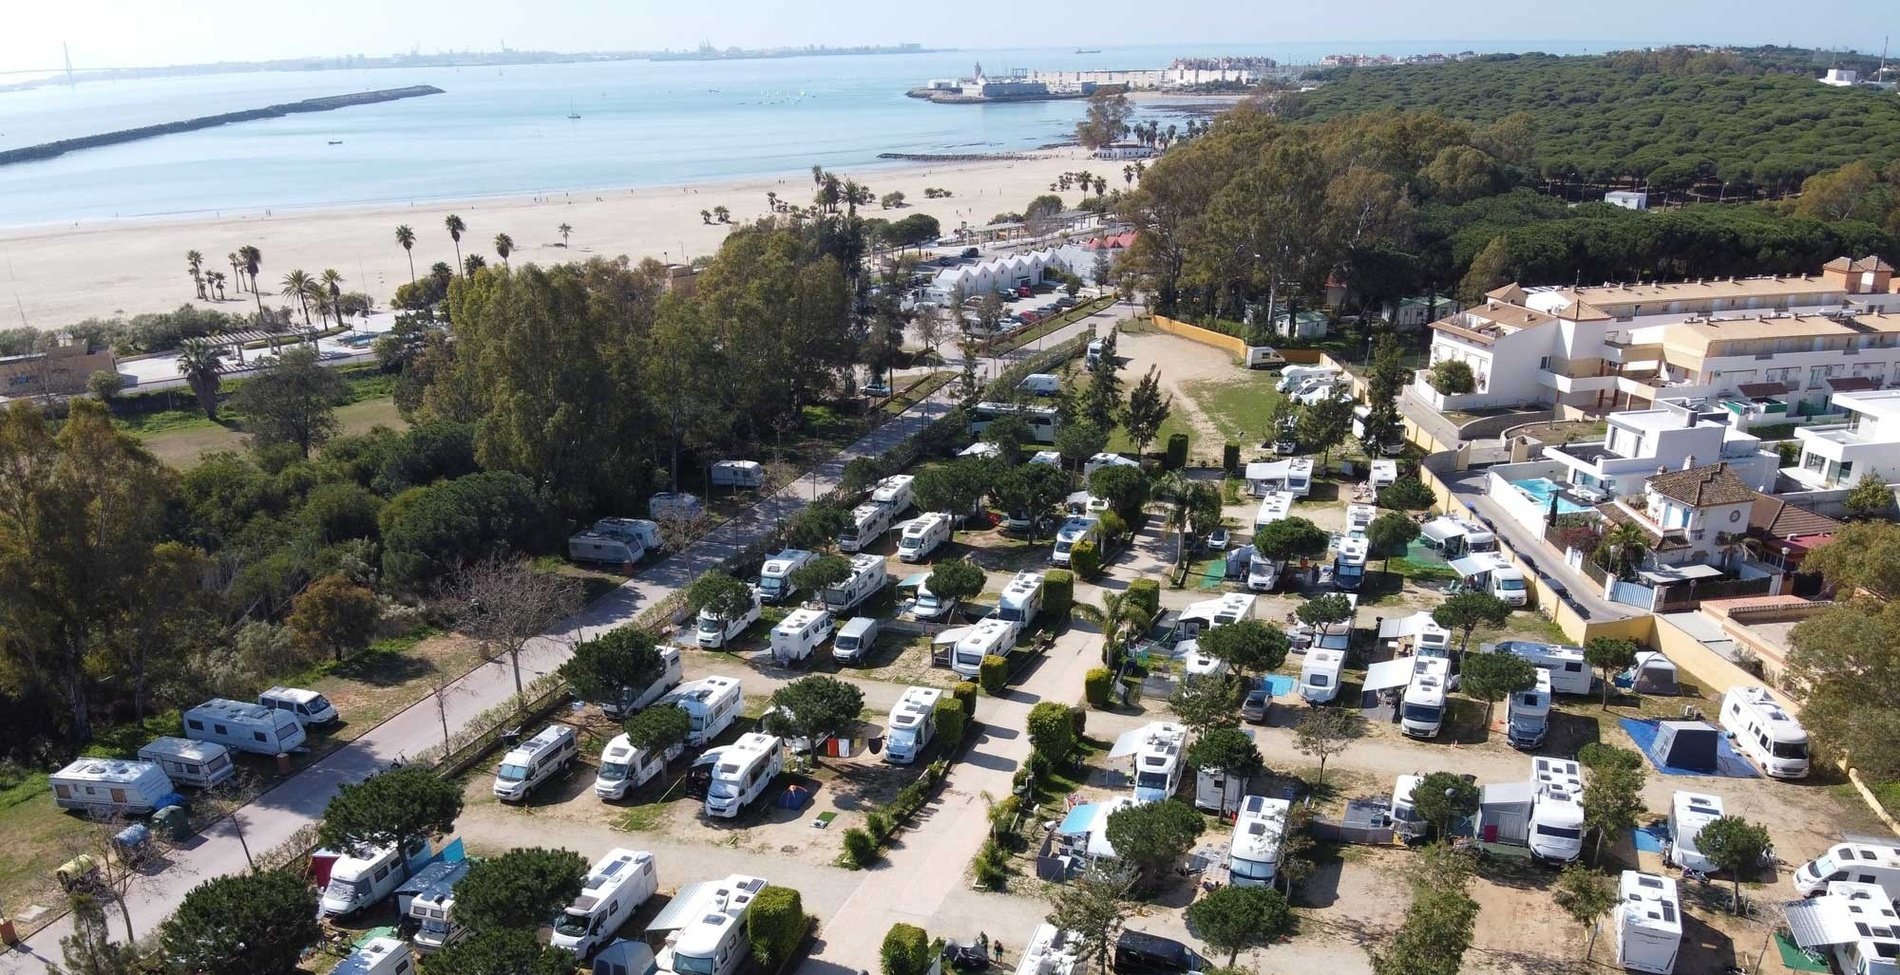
(181, 437)
(1240, 407)
(1119, 443)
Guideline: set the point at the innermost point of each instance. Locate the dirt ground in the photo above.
(1178, 362)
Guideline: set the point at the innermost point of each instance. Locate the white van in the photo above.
(1569, 671)
(1299, 476)
(775, 576)
(535, 761)
(1861, 863)
(244, 727)
(625, 956)
(1254, 853)
(713, 632)
(308, 707)
(991, 637)
(1041, 384)
(1556, 824)
(1093, 354)
(428, 900)
(711, 702)
(378, 956)
(1688, 813)
(1349, 564)
(922, 535)
(199, 764)
(738, 474)
(715, 941)
(1072, 533)
(1527, 715)
(855, 639)
(1021, 599)
(362, 879)
(799, 633)
(616, 886)
(1422, 710)
(913, 724)
(895, 492)
(110, 786)
(1507, 583)
(744, 771)
(634, 699)
(1264, 357)
(624, 767)
(1767, 732)
(868, 522)
(1319, 675)
(867, 579)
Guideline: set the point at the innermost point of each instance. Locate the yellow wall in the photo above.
(1713, 671)
(1226, 343)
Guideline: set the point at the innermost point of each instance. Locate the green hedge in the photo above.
(1058, 596)
(1230, 458)
(775, 924)
(1085, 559)
(951, 724)
(1176, 457)
(1146, 593)
(906, 950)
(965, 694)
(993, 674)
(1096, 685)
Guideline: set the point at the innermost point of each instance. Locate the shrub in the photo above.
(1146, 594)
(990, 871)
(993, 674)
(879, 824)
(1114, 529)
(1453, 377)
(1058, 595)
(1176, 457)
(906, 950)
(1085, 559)
(1052, 731)
(775, 925)
(951, 724)
(860, 848)
(1096, 685)
(1406, 494)
(965, 694)
(1079, 720)
(1230, 458)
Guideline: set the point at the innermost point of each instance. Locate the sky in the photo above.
(123, 33)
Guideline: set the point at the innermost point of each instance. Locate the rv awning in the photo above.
(1507, 794)
(1387, 674)
(1473, 565)
(1808, 923)
(1400, 627)
(950, 636)
(1442, 530)
(914, 580)
(1131, 741)
(1680, 573)
(684, 908)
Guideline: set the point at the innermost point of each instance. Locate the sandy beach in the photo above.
(56, 275)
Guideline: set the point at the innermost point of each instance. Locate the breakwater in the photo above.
(48, 150)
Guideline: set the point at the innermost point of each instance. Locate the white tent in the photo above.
(1387, 674)
(1440, 532)
(1409, 627)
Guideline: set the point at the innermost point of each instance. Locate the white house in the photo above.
(1302, 325)
(1125, 150)
(1841, 78)
(1671, 437)
(1627, 199)
(1691, 516)
(1837, 454)
(1419, 311)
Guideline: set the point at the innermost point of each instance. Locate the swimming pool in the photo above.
(1539, 489)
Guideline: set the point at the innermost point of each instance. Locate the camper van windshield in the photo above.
(571, 924)
(710, 624)
(903, 737)
(1510, 585)
(1261, 870)
(512, 773)
(435, 926)
(1404, 813)
(691, 965)
(1560, 832)
(1151, 780)
(351, 889)
(1423, 712)
(1063, 546)
(1791, 749)
(613, 771)
(722, 790)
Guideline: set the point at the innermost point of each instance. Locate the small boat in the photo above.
(336, 142)
(1088, 50)
(571, 113)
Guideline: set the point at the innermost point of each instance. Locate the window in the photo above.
(194, 724)
(220, 729)
(258, 735)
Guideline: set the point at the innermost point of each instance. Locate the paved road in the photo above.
(161, 371)
(274, 817)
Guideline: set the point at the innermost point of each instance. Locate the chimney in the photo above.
(1688, 462)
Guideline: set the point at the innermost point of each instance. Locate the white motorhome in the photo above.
(713, 941)
(199, 764)
(547, 754)
(746, 768)
(1648, 923)
(1047, 458)
(1156, 748)
(1860, 863)
(738, 474)
(1263, 574)
(1854, 924)
(930, 606)
(1569, 671)
(1349, 564)
(1274, 506)
(1264, 356)
(616, 886)
(1319, 675)
(1383, 473)
(1508, 584)
(896, 492)
(1422, 710)
(868, 522)
(712, 703)
(1207, 614)
(712, 631)
(110, 786)
(1527, 714)
(244, 727)
(855, 638)
(1359, 518)
(1767, 732)
(1299, 476)
(1021, 599)
(1407, 824)
(620, 541)
(308, 707)
(867, 579)
(922, 535)
(913, 724)
(1072, 533)
(634, 699)
(1253, 856)
(428, 901)
(378, 956)
(1093, 354)
(361, 879)
(1105, 459)
(624, 767)
(989, 637)
(799, 633)
(1041, 384)
(1556, 824)
(775, 576)
(1043, 421)
(1688, 813)
(1293, 376)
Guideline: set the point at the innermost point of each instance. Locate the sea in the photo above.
(505, 130)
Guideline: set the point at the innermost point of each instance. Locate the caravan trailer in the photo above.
(1648, 923)
(712, 632)
(362, 879)
(244, 727)
(616, 886)
(1359, 517)
(1042, 421)
(624, 767)
(1299, 476)
(1527, 715)
(199, 764)
(867, 579)
(378, 956)
(1254, 854)
(868, 522)
(895, 493)
(775, 576)
(1021, 599)
(714, 940)
(428, 900)
(922, 535)
(738, 474)
(111, 786)
(1422, 710)
(1349, 565)
(1556, 825)
(913, 724)
(1274, 506)
(1569, 672)
(633, 699)
(1853, 923)
(991, 637)
(1860, 863)
(1319, 675)
(547, 754)
(1072, 533)
(746, 768)
(799, 633)
(712, 703)
(1688, 813)
(1765, 731)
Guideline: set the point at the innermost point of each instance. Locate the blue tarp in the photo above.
(1727, 763)
(1278, 684)
(1078, 820)
(1650, 839)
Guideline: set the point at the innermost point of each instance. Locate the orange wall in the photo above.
(1219, 340)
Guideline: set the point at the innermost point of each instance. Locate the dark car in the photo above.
(1065, 302)
(1137, 953)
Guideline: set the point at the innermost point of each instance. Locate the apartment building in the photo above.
(1835, 455)
(1627, 345)
(61, 370)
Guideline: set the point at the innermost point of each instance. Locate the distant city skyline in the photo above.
(126, 33)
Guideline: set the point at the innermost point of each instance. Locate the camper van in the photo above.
(1264, 357)
(1648, 923)
(1319, 675)
(378, 956)
(1422, 711)
(1688, 813)
(1507, 584)
(199, 764)
(1207, 614)
(1158, 760)
(1072, 533)
(896, 493)
(930, 606)
(922, 535)
(1765, 731)
(362, 879)
(913, 724)
(615, 888)
(748, 474)
(1407, 824)
(1349, 564)
(1855, 924)
(1105, 459)
(745, 770)
(535, 761)
(1274, 506)
(799, 633)
(1293, 376)
(1042, 421)
(1861, 863)
(855, 638)
(1047, 458)
(1093, 354)
(1299, 476)
(1041, 384)
(714, 941)
(711, 702)
(1556, 824)
(634, 699)
(1569, 672)
(1527, 714)
(308, 707)
(1021, 599)
(244, 727)
(712, 632)
(991, 637)
(111, 786)
(428, 901)
(775, 576)
(867, 579)
(624, 767)
(1263, 574)
(1359, 518)
(868, 522)
(1254, 855)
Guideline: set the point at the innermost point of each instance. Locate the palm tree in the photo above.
(252, 261)
(471, 264)
(333, 290)
(297, 285)
(407, 238)
(456, 226)
(1193, 508)
(1628, 543)
(217, 283)
(200, 362)
(232, 259)
(564, 230)
(722, 214)
(504, 245)
(1119, 618)
(196, 262)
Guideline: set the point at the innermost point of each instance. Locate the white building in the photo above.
(1640, 443)
(1419, 311)
(1841, 78)
(1837, 454)
(1627, 199)
(1690, 516)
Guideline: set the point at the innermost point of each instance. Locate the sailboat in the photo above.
(571, 113)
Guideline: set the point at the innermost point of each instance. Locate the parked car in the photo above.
(1024, 291)
(876, 390)
(1065, 302)
(1030, 318)
(1217, 539)
(1254, 708)
(1139, 953)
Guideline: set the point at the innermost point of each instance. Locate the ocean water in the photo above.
(505, 130)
